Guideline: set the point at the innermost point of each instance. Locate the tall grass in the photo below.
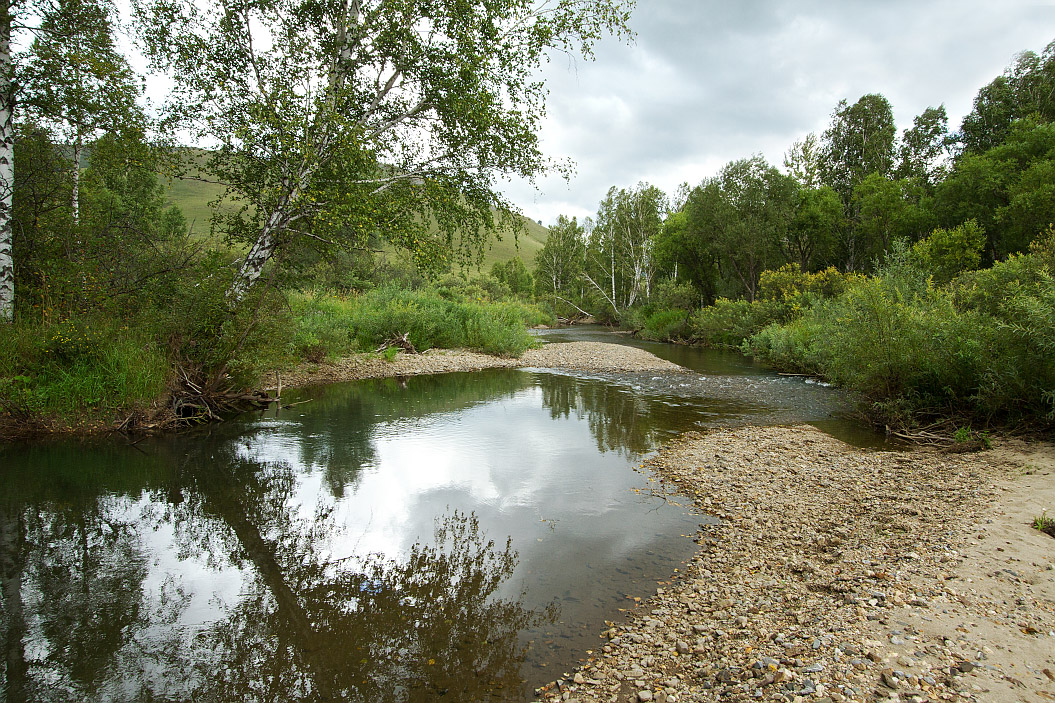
(78, 368)
(328, 325)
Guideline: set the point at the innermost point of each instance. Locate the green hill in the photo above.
(193, 198)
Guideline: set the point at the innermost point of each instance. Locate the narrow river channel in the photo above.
(432, 538)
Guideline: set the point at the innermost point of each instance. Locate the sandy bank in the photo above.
(840, 574)
(580, 356)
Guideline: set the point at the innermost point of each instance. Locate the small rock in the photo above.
(888, 678)
(645, 695)
(683, 647)
(579, 678)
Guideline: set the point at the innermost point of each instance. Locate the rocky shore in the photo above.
(839, 574)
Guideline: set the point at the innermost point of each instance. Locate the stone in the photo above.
(645, 695)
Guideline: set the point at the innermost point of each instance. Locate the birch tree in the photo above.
(77, 83)
(559, 264)
(335, 120)
(7, 163)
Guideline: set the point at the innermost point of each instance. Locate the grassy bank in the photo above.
(327, 325)
(88, 372)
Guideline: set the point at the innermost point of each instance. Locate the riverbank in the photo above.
(577, 356)
(840, 574)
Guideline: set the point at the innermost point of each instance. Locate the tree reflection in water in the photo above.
(310, 627)
(79, 623)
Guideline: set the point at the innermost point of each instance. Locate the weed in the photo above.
(1044, 523)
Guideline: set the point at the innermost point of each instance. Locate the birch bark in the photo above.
(7, 166)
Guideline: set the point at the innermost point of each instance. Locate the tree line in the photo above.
(841, 200)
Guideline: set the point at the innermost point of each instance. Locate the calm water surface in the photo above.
(453, 537)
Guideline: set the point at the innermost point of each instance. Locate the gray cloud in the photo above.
(707, 82)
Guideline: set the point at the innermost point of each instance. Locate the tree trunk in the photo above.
(7, 166)
(258, 256)
(75, 203)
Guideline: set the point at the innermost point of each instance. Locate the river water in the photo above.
(450, 537)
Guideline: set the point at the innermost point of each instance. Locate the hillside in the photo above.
(193, 198)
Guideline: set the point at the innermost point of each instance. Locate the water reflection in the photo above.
(80, 622)
(338, 550)
(298, 556)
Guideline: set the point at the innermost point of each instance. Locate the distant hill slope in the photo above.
(193, 198)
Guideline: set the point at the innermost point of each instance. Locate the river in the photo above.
(448, 537)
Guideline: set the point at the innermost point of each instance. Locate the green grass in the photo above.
(332, 326)
(1045, 524)
(78, 370)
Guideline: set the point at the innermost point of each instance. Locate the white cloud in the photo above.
(707, 82)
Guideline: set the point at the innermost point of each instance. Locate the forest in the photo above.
(353, 151)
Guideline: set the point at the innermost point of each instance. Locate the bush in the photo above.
(946, 252)
(671, 295)
(983, 347)
(790, 284)
(665, 325)
(728, 323)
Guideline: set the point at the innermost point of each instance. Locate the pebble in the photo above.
(762, 595)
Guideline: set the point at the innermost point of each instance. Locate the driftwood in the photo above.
(196, 401)
(400, 341)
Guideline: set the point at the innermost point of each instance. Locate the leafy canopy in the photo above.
(343, 119)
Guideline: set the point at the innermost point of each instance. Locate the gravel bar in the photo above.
(575, 356)
(838, 574)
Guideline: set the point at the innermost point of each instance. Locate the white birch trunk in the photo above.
(256, 259)
(75, 203)
(7, 166)
(11, 566)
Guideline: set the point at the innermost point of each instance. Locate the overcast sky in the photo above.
(707, 81)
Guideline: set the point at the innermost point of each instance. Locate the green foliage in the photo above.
(1044, 523)
(619, 267)
(342, 325)
(675, 295)
(737, 223)
(858, 142)
(88, 365)
(74, 80)
(559, 267)
(665, 325)
(982, 346)
(728, 322)
(1008, 189)
(948, 252)
(405, 140)
(1026, 88)
(924, 148)
(515, 276)
(789, 283)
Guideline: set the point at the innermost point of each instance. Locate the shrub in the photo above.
(946, 252)
(665, 325)
(729, 322)
(341, 325)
